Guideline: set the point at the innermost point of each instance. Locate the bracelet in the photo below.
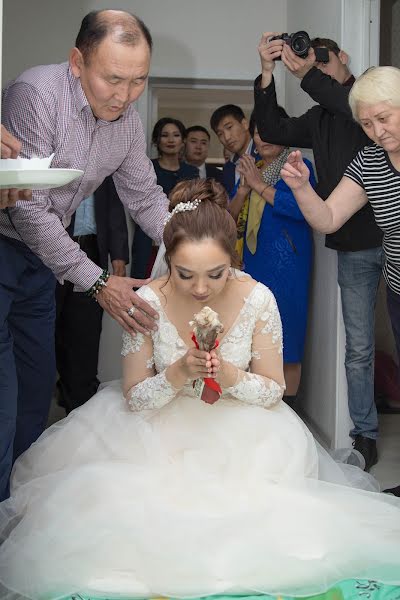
(98, 285)
(263, 190)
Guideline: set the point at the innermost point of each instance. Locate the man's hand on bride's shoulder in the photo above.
(132, 312)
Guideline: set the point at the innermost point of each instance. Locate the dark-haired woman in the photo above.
(169, 138)
(150, 491)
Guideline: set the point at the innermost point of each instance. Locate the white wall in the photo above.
(191, 39)
(38, 32)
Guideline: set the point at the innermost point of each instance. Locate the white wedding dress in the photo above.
(189, 499)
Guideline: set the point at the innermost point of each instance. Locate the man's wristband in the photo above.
(98, 285)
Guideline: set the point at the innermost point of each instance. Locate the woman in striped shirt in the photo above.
(373, 176)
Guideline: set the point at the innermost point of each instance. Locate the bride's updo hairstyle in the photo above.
(210, 219)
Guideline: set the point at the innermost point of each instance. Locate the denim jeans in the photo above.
(358, 277)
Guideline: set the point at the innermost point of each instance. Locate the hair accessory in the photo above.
(183, 207)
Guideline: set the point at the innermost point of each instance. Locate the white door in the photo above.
(354, 25)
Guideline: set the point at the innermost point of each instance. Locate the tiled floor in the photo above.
(387, 470)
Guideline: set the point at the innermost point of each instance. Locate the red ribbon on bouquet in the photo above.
(208, 389)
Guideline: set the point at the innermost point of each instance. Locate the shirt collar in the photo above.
(202, 170)
(349, 82)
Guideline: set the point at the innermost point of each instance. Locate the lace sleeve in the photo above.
(144, 389)
(263, 384)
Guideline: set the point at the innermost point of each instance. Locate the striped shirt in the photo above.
(47, 110)
(373, 171)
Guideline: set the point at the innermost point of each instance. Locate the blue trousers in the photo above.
(358, 277)
(27, 355)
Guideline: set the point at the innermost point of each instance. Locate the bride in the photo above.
(151, 491)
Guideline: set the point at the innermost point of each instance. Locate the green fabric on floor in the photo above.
(346, 590)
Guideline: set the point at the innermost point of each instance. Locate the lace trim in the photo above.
(131, 343)
(260, 305)
(152, 392)
(257, 390)
(150, 363)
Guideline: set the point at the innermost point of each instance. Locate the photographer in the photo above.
(330, 131)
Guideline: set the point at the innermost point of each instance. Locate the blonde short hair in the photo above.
(377, 84)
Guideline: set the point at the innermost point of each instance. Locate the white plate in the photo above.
(37, 179)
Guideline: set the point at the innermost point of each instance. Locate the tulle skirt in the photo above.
(189, 500)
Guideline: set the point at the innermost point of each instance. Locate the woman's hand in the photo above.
(247, 168)
(198, 364)
(295, 172)
(244, 187)
(227, 372)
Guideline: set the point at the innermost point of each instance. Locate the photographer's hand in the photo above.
(269, 51)
(296, 65)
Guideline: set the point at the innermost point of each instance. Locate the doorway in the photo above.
(193, 101)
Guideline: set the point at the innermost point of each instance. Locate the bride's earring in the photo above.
(230, 272)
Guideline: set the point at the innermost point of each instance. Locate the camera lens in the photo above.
(300, 43)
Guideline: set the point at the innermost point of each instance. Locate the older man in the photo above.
(81, 111)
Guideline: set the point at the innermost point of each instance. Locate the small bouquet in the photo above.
(206, 327)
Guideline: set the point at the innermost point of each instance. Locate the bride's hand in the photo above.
(197, 364)
(215, 363)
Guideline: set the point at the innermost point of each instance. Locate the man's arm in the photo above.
(137, 188)
(272, 127)
(327, 92)
(31, 119)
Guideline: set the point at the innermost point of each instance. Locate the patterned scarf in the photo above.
(251, 213)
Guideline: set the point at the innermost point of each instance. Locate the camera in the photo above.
(300, 43)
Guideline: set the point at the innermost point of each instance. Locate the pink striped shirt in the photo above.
(47, 110)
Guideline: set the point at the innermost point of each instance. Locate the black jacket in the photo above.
(330, 131)
(214, 173)
(112, 230)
